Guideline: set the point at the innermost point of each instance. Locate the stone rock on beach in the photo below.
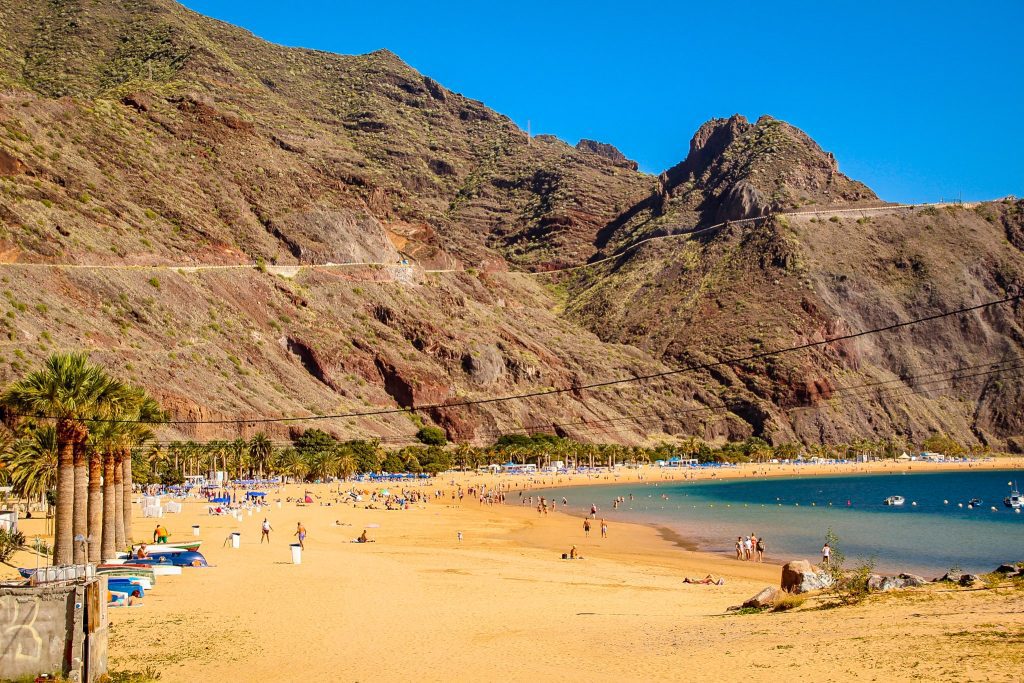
(912, 580)
(800, 576)
(968, 580)
(765, 598)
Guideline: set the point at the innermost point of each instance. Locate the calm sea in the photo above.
(794, 514)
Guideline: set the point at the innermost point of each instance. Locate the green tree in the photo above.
(432, 436)
(260, 453)
(71, 390)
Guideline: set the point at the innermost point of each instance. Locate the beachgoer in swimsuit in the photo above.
(266, 531)
(586, 527)
(300, 531)
(707, 580)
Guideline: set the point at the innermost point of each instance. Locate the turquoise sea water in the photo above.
(793, 515)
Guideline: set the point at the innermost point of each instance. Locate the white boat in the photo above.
(895, 500)
(1014, 500)
(165, 570)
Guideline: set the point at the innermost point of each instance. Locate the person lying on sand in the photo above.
(708, 580)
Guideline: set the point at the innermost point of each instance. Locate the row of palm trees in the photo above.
(71, 428)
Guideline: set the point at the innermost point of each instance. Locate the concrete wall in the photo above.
(44, 630)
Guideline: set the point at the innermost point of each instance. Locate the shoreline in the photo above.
(674, 532)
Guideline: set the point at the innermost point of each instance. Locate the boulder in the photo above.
(951, 577)
(765, 598)
(800, 576)
(890, 583)
(874, 582)
(969, 580)
(913, 580)
(1006, 569)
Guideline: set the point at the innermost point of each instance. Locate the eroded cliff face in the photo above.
(792, 280)
(141, 134)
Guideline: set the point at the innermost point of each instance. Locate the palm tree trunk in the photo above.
(110, 546)
(63, 523)
(126, 499)
(80, 523)
(96, 506)
(120, 538)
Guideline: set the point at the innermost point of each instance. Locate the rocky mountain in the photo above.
(135, 136)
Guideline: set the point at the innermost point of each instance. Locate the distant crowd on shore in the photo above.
(750, 548)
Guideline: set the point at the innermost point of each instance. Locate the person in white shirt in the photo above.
(266, 530)
(826, 553)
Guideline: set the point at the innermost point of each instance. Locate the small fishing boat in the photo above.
(1014, 500)
(145, 573)
(159, 568)
(169, 546)
(895, 500)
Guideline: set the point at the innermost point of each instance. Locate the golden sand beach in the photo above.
(500, 604)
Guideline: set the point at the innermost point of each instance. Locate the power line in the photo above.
(573, 388)
(585, 425)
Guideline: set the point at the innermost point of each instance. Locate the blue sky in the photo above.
(920, 100)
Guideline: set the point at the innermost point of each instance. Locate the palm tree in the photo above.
(139, 414)
(100, 443)
(290, 463)
(260, 450)
(32, 463)
(70, 390)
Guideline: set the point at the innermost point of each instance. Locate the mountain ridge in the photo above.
(143, 133)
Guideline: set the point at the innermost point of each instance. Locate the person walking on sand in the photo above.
(826, 554)
(604, 529)
(300, 531)
(266, 528)
(586, 527)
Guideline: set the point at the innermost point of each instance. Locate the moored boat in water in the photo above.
(895, 500)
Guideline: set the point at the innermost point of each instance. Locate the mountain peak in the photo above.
(610, 152)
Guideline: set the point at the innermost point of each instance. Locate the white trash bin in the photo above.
(195, 529)
(296, 553)
(236, 539)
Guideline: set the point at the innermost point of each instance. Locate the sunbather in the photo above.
(707, 580)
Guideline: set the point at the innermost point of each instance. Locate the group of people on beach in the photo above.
(750, 548)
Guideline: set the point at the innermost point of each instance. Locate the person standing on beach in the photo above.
(747, 548)
(300, 531)
(760, 550)
(826, 554)
(604, 529)
(739, 547)
(586, 527)
(753, 546)
(266, 528)
(593, 511)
